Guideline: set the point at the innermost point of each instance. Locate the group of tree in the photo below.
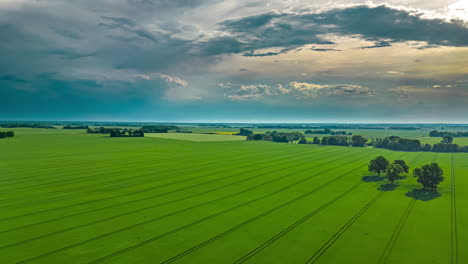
(26, 125)
(277, 136)
(326, 131)
(393, 171)
(244, 132)
(158, 128)
(337, 140)
(398, 143)
(101, 130)
(429, 176)
(447, 147)
(7, 134)
(435, 133)
(127, 133)
(75, 127)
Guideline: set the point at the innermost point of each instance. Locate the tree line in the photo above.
(75, 127)
(7, 134)
(326, 131)
(277, 136)
(100, 130)
(429, 176)
(354, 141)
(158, 128)
(25, 125)
(127, 133)
(405, 144)
(435, 133)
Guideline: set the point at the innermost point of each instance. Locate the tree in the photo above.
(302, 141)
(429, 176)
(316, 140)
(447, 140)
(403, 165)
(245, 132)
(358, 141)
(393, 172)
(378, 165)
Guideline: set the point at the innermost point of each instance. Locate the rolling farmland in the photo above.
(70, 197)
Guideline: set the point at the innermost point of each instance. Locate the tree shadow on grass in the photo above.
(423, 194)
(388, 187)
(372, 178)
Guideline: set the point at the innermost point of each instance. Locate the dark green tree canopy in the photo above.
(429, 176)
(378, 165)
(403, 165)
(393, 172)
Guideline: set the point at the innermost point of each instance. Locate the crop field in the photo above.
(196, 137)
(71, 197)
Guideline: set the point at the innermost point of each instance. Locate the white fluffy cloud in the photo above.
(296, 90)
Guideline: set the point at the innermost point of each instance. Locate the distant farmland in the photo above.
(71, 197)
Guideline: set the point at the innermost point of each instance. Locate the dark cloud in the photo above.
(382, 24)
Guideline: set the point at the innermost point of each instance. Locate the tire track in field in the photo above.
(342, 230)
(133, 201)
(293, 226)
(206, 165)
(153, 206)
(150, 156)
(73, 165)
(189, 208)
(81, 179)
(143, 190)
(396, 233)
(274, 209)
(143, 162)
(176, 172)
(401, 223)
(453, 216)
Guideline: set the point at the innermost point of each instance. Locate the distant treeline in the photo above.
(338, 140)
(405, 128)
(326, 131)
(397, 143)
(6, 134)
(101, 130)
(28, 125)
(317, 127)
(127, 133)
(435, 133)
(75, 127)
(276, 137)
(158, 128)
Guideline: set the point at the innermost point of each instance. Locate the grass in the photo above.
(71, 197)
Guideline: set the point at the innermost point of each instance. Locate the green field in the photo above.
(196, 137)
(71, 197)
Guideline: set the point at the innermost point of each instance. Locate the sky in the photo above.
(401, 61)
